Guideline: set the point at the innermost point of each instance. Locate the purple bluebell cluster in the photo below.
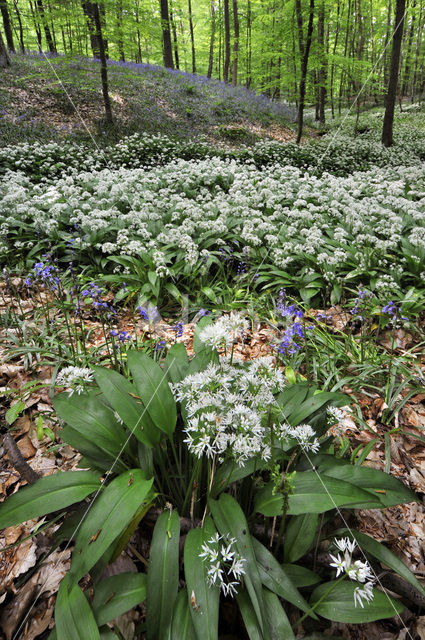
(46, 273)
(149, 313)
(295, 330)
(160, 345)
(122, 336)
(362, 294)
(392, 310)
(95, 293)
(178, 330)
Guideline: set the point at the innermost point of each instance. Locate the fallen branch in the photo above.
(17, 461)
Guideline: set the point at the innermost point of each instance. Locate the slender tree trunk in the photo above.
(331, 88)
(211, 56)
(166, 36)
(248, 45)
(139, 46)
(418, 44)
(21, 30)
(4, 54)
(387, 38)
(37, 27)
(304, 53)
(192, 38)
(321, 74)
(175, 43)
(104, 68)
(387, 128)
(47, 33)
(226, 41)
(406, 75)
(119, 30)
(7, 26)
(235, 43)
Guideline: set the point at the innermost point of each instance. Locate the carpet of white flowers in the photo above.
(368, 226)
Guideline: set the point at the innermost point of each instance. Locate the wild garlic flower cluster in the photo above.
(74, 379)
(232, 412)
(176, 213)
(225, 564)
(355, 570)
(224, 331)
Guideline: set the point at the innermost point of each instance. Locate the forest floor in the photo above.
(43, 98)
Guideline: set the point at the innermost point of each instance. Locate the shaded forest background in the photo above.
(262, 44)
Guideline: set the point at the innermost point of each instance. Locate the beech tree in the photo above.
(387, 127)
(166, 35)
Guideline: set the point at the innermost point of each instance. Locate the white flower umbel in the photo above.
(355, 570)
(228, 409)
(74, 379)
(225, 564)
(224, 331)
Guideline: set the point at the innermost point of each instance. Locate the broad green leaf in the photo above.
(313, 404)
(14, 411)
(107, 634)
(384, 555)
(176, 362)
(121, 394)
(163, 575)
(48, 494)
(118, 594)
(267, 501)
(274, 577)
(300, 576)
(248, 615)
(73, 617)
(93, 421)
(314, 493)
(203, 599)
(299, 535)
(230, 520)
(278, 622)
(152, 387)
(291, 397)
(338, 605)
(182, 625)
(230, 472)
(107, 518)
(94, 457)
(198, 345)
(392, 491)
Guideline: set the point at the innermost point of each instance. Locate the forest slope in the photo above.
(42, 97)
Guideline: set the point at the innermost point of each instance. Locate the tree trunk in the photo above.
(37, 28)
(418, 44)
(211, 56)
(119, 30)
(166, 35)
(235, 43)
(387, 128)
(248, 45)
(321, 74)
(387, 38)
(21, 30)
(304, 53)
(406, 75)
(104, 68)
(4, 55)
(175, 43)
(7, 26)
(47, 33)
(226, 41)
(192, 39)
